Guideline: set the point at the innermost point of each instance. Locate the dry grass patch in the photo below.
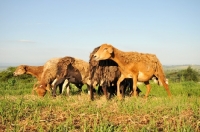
(78, 113)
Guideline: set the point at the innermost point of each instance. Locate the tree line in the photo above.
(188, 74)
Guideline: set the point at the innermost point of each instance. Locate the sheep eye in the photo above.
(105, 48)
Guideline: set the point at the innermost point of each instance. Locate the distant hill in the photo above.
(6, 65)
(180, 67)
(3, 68)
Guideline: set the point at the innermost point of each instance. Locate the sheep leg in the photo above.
(165, 84)
(134, 86)
(122, 88)
(64, 85)
(148, 88)
(68, 89)
(91, 92)
(60, 88)
(59, 81)
(111, 90)
(89, 83)
(121, 78)
(53, 83)
(105, 92)
(100, 90)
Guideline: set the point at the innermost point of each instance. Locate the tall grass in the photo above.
(22, 111)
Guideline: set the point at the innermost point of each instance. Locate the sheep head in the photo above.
(41, 91)
(104, 52)
(20, 70)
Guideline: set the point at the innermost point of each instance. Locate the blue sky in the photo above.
(32, 32)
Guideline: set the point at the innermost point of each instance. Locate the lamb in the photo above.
(138, 66)
(73, 70)
(106, 73)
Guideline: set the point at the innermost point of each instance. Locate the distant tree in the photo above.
(188, 75)
(6, 74)
(172, 76)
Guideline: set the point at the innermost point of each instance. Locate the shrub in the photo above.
(188, 74)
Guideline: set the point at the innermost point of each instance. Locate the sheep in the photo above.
(47, 77)
(35, 71)
(106, 73)
(73, 70)
(138, 66)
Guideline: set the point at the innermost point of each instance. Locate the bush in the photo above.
(7, 74)
(188, 74)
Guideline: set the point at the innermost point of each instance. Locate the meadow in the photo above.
(21, 111)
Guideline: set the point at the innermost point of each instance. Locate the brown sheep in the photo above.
(73, 70)
(106, 73)
(138, 66)
(35, 71)
(47, 77)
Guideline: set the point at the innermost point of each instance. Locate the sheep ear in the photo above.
(72, 60)
(110, 50)
(23, 66)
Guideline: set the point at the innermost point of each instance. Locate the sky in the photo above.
(32, 32)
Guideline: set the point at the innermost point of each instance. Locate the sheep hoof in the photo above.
(120, 97)
(134, 94)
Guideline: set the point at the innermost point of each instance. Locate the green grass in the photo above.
(22, 111)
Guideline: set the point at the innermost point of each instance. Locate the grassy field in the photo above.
(21, 111)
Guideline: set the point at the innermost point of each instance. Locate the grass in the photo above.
(24, 112)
